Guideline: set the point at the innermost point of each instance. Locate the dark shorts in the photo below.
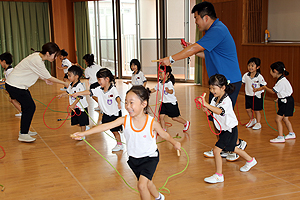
(106, 118)
(227, 140)
(286, 109)
(66, 76)
(94, 85)
(170, 109)
(82, 119)
(145, 166)
(258, 103)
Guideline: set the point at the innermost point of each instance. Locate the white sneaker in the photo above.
(214, 179)
(242, 145)
(18, 114)
(186, 126)
(251, 123)
(232, 157)
(161, 197)
(209, 154)
(118, 147)
(257, 126)
(26, 138)
(31, 133)
(248, 165)
(224, 154)
(290, 136)
(278, 140)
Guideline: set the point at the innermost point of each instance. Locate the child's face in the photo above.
(72, 77)
(61, 57)
(134, 67)
(3, 63)
(163, 75)
(216, 90)
(274, 73)
(103, 82)
(134, 105)
(252, 67)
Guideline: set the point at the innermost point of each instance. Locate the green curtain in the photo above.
(198, 60)
(23, 25)
(82, 31)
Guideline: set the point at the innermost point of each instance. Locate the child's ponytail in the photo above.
(279, 66)
(220, 81)
(169, 70)
(104, 72)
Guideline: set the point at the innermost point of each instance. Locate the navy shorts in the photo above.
(145, 166)
(170, 109)
(227, 140)
(258, 103)
(82, 119)
(286, 106)
(106, 118)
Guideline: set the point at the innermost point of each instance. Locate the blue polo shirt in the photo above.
(220, 52)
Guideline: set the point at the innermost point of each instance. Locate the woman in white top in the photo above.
(24, 75)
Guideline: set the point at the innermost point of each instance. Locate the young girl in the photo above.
(65, 65)
(6, 61)
(78, 114)
(169, 104)
(253, 79)
(284, 92)
(138, 77)
(221, 107)
(140, 131)
(109, 101)
(24, 75)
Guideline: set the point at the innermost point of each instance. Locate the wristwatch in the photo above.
(171, 60)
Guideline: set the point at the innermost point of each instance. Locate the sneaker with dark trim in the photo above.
(210, 154)
(248, 165)
(232, 157)
(214, 179)
(242, 145)
(186, 126)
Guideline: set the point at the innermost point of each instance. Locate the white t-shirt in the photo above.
(78, 87)
(283, 88)
(107, 100)
(227, 118)
(140, 143)
(167, 98)
(90, 73)
(66, 63)
(7, 71)
(257, 81)
(28, 71)
(138, 78)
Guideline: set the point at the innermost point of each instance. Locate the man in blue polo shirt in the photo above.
(218, 48)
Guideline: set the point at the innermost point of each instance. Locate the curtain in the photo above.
(82, 31)
(23, 25)
(198, 60)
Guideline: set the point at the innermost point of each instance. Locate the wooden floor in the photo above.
(57, 167)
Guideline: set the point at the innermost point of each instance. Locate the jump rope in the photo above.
(162, 189)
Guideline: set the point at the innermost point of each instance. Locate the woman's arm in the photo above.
(55, 80)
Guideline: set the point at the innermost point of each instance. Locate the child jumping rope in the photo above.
(140, 131)
(221, 107)
(78, 115)
(138, 77)
(253, 79)
(169, 104)
(284, 92)
(109, 102)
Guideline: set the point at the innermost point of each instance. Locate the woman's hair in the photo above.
(7, 57)
(76, 70)
(50, 47)
(256, 61)
(63, 52)
(89, 58)
(168, 70)
(279, 66)
(143, 94)
(104, 72)
(220, 81)
(135, 62)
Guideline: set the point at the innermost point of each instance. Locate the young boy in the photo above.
(65, 65)
(5, 61)
(78, 115)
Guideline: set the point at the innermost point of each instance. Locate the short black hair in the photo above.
(279, 66)
(205, 8)
(220, 81)
(76, 70)
(256, 61)
(89, 58)
(135, 62)
(63, 52)
(7, 57)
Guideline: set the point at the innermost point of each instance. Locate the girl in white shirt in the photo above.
(140, 131)
(24, 75)
(221, 107)
(138, 77)
(285, 100)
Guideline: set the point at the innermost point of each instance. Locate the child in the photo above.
(169, 104)
(65, 65)
(138, 77)
(78, 115)
(109, 101)
(6, 61)
(284, 92)
(221, 107)
(140, 131)
(253, 79)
